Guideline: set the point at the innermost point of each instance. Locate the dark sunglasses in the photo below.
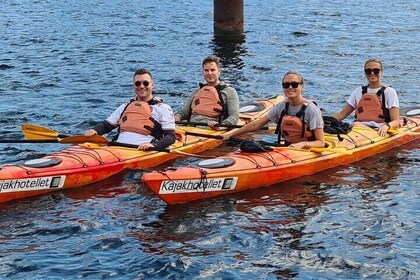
(293, 84)
(145, 83)
(375, 71)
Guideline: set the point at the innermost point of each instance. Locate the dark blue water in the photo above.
(68, 64)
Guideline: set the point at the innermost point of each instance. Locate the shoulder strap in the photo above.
(225, 113)
(154, 101)
(364, 89)
(384, 109)
(278, 127)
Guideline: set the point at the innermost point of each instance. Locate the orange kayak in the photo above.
(239, 171)
(87, 163)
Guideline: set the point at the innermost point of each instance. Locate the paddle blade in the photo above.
(37, 132)
(78, 139)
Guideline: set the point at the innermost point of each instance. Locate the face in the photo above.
(211, 73)
(143, 92)
(292, 80)
(373, 67)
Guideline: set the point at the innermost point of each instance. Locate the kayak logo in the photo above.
(191, 186)
(32, 184)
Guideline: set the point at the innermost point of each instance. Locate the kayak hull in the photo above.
(88, 163)
(254, 170)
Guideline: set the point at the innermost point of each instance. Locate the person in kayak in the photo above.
(145, 121)
(299, 121)
(375, 105)
(214, 102)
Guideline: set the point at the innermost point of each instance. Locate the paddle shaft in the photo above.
(220, 125)
(219, 137)
(27, 141)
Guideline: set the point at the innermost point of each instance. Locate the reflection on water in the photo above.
(68, 66)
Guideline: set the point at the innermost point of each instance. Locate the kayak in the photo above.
(238, 171)
(86, 163)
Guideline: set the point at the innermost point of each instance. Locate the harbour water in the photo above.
(67, 65)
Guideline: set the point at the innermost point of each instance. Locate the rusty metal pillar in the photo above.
(228, 18)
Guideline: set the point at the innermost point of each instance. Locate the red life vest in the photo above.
(370, 107)
(137, 117)
(293, 129)
(207, 102)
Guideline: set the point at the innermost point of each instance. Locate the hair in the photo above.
(374, 60)
(210, 59)
(142, 71)
(294, 73)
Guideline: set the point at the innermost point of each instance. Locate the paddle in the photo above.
(34, 132)
(221, 125)
(40, 134)
(313, 149)
(27, 141)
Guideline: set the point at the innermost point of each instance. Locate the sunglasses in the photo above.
(145, 83)
(293, 84)
(375, 71)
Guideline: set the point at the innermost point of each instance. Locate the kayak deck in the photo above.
(252, 170)
(87, 163)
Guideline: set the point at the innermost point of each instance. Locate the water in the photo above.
(67, 65)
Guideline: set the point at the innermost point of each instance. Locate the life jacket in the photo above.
(208, 101)
(293, 129)
(370, 107)
(137, 117)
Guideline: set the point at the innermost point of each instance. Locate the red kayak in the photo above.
(87, 163)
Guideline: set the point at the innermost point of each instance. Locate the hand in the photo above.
(226, 136)
(145, 146)
(300, 145)
(382, 131)
(213, 125)
(90, 132)
(177, 118)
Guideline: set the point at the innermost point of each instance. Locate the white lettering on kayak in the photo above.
(203, 185)
(32, 184)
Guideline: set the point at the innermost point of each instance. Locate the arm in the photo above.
(344, 113)
(166, 119)
(183, 113)
(394, 113)
(101, 128)
(319, 141)
(232, 104)
(167, 139)
(252, 126)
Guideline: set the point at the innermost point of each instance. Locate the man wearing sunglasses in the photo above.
(375, 105)
(299, 121)
(145, 120)
(214, 102)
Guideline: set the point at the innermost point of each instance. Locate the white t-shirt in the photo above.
(391, 100)
(161, 112)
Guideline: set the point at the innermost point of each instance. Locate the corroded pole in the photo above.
(228, 18)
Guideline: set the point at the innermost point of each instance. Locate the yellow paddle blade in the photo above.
(78, 139)
(37, 132)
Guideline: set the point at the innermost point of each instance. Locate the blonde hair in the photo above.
(374, 60)
(294, 73)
